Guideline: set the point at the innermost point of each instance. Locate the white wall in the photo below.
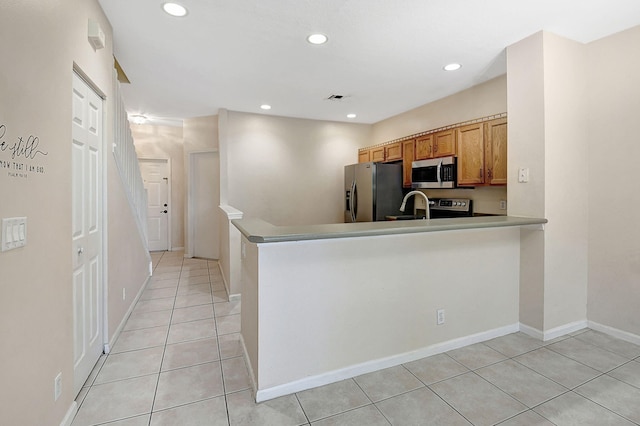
(614, 198)
(40, 43)
(323, 310)
(288, 171)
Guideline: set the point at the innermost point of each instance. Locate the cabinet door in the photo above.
(393, 152)
(496, 152)
(407, 159)
(471, 155)
(423, 147)
(377, 154)
(364, 156)
(444, 143)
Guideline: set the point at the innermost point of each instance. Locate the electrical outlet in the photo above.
(503, 204)
(124, 293)
(57, 386)
(440, 316)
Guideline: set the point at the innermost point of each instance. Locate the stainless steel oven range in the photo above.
(440, 208)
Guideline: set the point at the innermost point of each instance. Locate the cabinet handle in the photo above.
(480, 172)
(489, 174)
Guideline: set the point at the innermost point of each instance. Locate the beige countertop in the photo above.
(259, 231)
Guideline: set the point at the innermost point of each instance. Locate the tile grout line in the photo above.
(215, 324)
(433, 391)
(164, 349)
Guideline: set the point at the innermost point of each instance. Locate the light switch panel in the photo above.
(14, 233)
(523, 175)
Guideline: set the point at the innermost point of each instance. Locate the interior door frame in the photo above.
(104, 175)
(190, 246)
(170, 208)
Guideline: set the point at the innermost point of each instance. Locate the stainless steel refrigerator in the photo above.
(372, 191)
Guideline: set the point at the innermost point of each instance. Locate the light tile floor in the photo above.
(178, 362)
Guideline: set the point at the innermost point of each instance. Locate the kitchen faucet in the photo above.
(426, 202)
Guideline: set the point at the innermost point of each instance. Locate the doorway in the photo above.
(87, 229)
(157, 181)
(203, 204)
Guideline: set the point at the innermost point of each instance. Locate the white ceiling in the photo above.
(384, 56)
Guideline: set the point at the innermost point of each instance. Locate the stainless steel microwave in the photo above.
(434, 173)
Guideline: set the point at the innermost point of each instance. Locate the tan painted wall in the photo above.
(200, 134)
(547, 135)
(566, 183)
(288, 171)
(568, 103)
(479, 101)
(166, 142)
(614, 199)
(39, 43)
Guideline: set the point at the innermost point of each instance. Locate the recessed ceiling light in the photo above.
(174, 9)
(317, 39)
(265, 106)
(452, 67)
(351, 116)
(138, 119)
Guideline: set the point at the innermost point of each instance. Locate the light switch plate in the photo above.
(14, 233)
(523, 175)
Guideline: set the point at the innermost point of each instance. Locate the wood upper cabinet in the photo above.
(482, 153)
(471, 169)
(434, 145)
(407, 159)
(444, 143)
(393, 151)
(364, 156)
(496, 151)
(481, 149)
(377, 154)
(423, 149)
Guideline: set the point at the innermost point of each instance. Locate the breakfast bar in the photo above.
(322, 303)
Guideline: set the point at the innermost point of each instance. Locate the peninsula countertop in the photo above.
(260, 231)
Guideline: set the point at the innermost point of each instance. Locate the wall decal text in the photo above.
(16, 156)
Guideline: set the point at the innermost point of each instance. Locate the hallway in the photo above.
(179, 362)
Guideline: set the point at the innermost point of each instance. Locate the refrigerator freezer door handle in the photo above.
(354, 202)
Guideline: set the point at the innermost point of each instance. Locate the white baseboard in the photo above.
(611, 331)
(227, 286)
(554, 332)
(531, 331)
(564, 329)
(224, 280)
(247, 361)
(71, 413)
(109, 345)
(378, 364)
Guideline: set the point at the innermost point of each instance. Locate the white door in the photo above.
(155, 174)
(86, 196)
(204, 202)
